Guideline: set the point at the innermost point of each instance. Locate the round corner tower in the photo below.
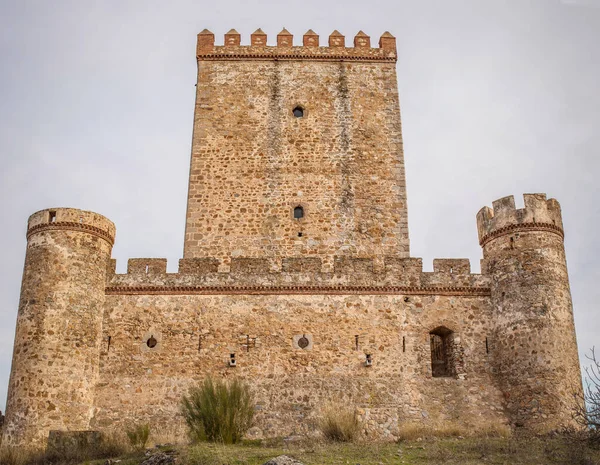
(534, 347)
(57, 339)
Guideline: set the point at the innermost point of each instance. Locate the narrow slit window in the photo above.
(52, 217)
(298, 212)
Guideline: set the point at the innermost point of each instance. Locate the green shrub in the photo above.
(138, 436)
(218, 411)
(339, 424)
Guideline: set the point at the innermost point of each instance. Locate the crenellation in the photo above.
(362, 40)
(310, 39)
(285, 38)
(457, 266)
(206, 42)
(352, 266)
(146, 266)
(258, 38)
(198, 265)
(387, 42)
(233, 49)
(273, 274)
(301, 265)
(240, 265)
(454, 272)
(504, 217)
(111, 269)
(232, 38)
(336, 39)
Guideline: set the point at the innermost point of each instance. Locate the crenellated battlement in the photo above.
(232, 48)
(539, 214)
(71, 219)
(449, 275)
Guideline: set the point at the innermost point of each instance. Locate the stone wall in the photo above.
(196, 334)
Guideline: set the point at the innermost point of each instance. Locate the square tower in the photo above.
(297, 150)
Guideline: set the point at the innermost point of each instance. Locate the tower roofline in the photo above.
(284, 50)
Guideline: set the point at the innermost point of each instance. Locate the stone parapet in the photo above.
(504, 218)
(72, 219)
(300, 275)
(285, 50)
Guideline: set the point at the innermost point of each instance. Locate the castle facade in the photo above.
(296, 274)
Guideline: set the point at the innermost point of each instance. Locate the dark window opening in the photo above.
(299, 234)
(298, 213)
(403, 343)
(303, 342)
(298, 112)
(442, 348)
(151, 342)
(356, 342)
(487, 346)
(52, 217)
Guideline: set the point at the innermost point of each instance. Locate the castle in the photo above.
(296, 274)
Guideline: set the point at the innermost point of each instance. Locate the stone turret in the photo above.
(534, 350)
(57, 340)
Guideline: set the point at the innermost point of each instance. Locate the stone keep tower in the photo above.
(59, 323)
(276, 138)
(296, 230)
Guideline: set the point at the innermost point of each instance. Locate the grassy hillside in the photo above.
(509, 451)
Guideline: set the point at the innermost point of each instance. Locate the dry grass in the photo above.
(111, 446)
(452, 451)
(449, 451)
(138, 436)
(419, 431)
(338, 423)
(18, 456)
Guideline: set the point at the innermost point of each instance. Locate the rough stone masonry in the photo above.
(296, 274)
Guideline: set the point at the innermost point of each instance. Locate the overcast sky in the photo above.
(498, 98)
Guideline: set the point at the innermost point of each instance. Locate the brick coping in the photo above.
(296, 290)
